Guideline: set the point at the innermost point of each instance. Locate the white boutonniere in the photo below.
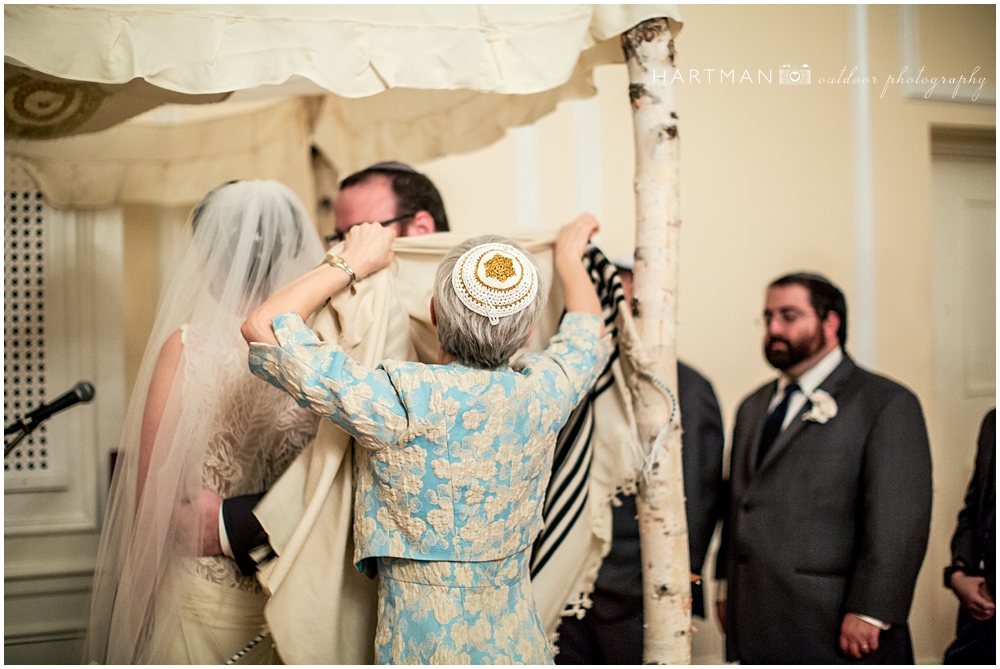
(824, 407)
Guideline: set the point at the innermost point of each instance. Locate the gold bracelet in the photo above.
(337, 261)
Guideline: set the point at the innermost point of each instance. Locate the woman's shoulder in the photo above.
(171, 349)
(446, 379)
(409, 372)
(585, 322)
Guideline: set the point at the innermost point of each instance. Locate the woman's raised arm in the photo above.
(571, 242)
(367, 249)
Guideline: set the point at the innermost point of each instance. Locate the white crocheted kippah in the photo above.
(495, 280)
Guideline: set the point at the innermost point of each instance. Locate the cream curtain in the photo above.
(364, 83)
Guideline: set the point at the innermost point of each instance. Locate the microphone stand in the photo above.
(8, 447)
(81, 392)
(22, 429)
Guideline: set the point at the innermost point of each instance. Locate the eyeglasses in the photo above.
(338, 235)
(785, 316)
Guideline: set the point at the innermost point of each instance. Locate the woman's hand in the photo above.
(577, 287)
(573, 237)
(368, 248)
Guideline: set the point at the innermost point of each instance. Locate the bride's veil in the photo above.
(249, 238)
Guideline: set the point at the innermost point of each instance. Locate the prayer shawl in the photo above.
(593, 460)
(321, 609)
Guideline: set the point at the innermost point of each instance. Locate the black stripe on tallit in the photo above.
(547, 543)
(543, 559)
(574, 449)
(567, 438)
(572, 466)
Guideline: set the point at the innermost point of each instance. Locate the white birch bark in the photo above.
(649, 53)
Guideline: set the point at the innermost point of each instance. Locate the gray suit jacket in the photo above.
(835, 520)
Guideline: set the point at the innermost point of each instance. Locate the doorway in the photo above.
(963, 178)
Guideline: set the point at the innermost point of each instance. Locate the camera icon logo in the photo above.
(794, 76)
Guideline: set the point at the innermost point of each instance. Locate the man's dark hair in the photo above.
(414, 191)
(823, 295)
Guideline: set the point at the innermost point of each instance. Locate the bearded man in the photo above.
(830, 500)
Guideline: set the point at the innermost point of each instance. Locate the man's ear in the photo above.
(422, 224)
(831, 325)
(434, 316)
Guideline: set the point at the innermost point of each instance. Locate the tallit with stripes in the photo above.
(568, 488)
(592, 461)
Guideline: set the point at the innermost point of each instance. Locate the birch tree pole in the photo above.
(649, 54)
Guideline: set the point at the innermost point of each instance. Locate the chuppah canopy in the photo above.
(362, 83)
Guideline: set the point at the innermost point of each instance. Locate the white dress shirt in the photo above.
(808, 383)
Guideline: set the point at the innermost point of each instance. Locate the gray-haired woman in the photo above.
(455, 456)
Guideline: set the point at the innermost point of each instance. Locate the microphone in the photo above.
(81, 392)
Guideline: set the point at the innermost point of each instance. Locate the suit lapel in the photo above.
(831, 385)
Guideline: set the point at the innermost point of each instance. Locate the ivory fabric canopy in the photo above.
(362, 82)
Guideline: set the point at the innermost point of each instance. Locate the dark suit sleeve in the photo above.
(722, 556)
(246, 536)
(894, 512)
(702, 443)
(702, 447)
(963, 543)
(743, 418)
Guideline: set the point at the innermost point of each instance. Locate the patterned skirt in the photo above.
(458, 613)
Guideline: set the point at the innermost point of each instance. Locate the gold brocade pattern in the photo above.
(458, 613)
(451, 465)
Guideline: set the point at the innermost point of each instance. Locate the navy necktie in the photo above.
(772, 427)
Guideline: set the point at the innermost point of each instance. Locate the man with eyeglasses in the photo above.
(830, 497)
(390, 193)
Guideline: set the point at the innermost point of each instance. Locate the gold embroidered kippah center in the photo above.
(500, 268)
(495, 280)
